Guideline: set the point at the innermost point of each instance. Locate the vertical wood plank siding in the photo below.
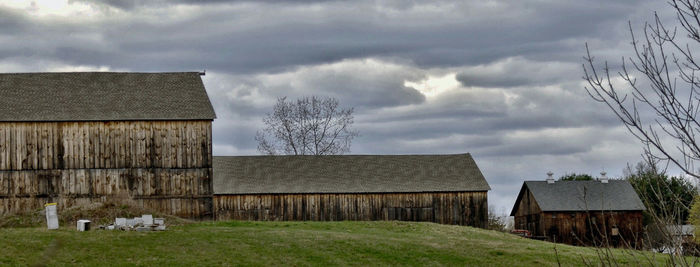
(105, 145)
(160, 165)
(579, 227)
(462, 208)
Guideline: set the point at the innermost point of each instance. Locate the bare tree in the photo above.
(669, 90)
(307, 126)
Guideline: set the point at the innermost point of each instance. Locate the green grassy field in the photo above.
(294, 243)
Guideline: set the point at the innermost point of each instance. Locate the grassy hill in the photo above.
(294, 243)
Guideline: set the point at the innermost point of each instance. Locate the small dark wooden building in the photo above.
(448, 189)
(601, 212)
(78, 138)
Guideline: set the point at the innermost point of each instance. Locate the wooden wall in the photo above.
(105, 145)
(160, 165)
(462, 208)
(579, 227)
(594, 228)
(528, 213)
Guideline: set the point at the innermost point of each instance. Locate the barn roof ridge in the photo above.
(343, 155)
(347, 174)
(97, 71)
(103, 96)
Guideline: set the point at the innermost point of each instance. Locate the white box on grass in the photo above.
(83, 225)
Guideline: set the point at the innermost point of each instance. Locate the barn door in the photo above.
(552, 231)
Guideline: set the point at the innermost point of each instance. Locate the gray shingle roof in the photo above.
(346, 174)
(103, 96)
(616, 195)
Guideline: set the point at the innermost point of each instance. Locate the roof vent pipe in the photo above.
(603, 178)
(550, 179)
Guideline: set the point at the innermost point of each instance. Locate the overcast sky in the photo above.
(498, 79)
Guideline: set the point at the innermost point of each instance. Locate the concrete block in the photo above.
(83, 225)
(147, 219)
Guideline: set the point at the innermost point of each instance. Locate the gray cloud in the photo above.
(230, 36)
(132, 4)
(512, 72)
(121, 4)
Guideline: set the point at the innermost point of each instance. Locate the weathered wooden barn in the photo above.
(599, 212)
(76, 138)
(447, 189)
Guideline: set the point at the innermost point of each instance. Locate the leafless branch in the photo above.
(307, 126)
(660, 113)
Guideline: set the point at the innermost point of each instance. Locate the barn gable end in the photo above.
(78, 138)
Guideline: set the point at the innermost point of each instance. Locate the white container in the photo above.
(147, 219)
(51, 216)
(120, 222)
(159, 221)
(83, 225)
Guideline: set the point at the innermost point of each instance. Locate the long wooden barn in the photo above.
(601, 212)
(76, 138)
(448, 189)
